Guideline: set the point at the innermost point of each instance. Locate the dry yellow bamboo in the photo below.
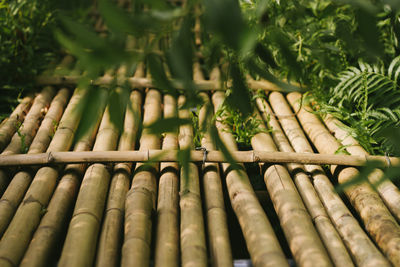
(260, 238)
(18, 235)
(141, 199)
(303, 239)
(56, 218)
(193, 243)
(22, 139)
(167, 233)
(109, 249)
(377, 219)
(358, 243)
(362, 249)
(218, 235)
(389, 192)
(83, 231)
(323, 224)
(10, 125)
(195, 156)
(15, 191)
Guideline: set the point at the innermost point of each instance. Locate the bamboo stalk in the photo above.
(358, 243)
(302, 237)
(329, 236)
(260, 238)
(389, 192)
(12, 197)
(49, 233)
(18, 235)
(167, 233)
(362, 249)
(193, 243)
(218, 235)
(109, 249)
(83, 231)
(139, 82)
(217, 226)
(22, 139)
(377, 219)
(196, 156)
(9, 126)
(141, 199)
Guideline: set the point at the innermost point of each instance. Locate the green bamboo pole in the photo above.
(22, 139)
(193, 243)
(50, 230)
(302, 237)
(109, 249)
(217, 226)
(19, 233)
(167, 234)
(12, 197)
(377, 219)
(83, 231)
(358, 243)
(260, 238)
(389, 192)
(10, 125)
(141, 199)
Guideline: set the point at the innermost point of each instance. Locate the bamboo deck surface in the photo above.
(279, 207)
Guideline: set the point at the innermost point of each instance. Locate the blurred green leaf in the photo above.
(117, 101)
(166, 125)
(240, 95)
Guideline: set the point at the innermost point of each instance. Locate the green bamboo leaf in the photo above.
(167, 125)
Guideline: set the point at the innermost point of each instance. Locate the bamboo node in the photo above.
(50, 157)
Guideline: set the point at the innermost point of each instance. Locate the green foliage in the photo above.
(242, 127)
(367, 98)
(26, 46)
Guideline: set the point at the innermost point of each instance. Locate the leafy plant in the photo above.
(367, 98)
(26, 46)
(242, 127)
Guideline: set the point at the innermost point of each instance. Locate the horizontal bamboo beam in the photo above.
(135, 82)
(195, 156)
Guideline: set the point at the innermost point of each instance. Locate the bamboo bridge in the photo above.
(96, 201)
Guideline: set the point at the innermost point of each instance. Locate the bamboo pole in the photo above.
(217, 226)
(18, 235)
(329, 236)
(377, 219)
(167, 233)
(141, 199)
(196, 156)
(193, 242)
(358, 243)
(10, 125)
(83, 231)
(389, 192)
(260, 238)
(302, 237)
(109, 249)
(49, 233)
(22, 139)
(15, 191)
(218, 235)
(139, 82)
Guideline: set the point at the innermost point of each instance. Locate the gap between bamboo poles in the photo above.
(157, 155)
